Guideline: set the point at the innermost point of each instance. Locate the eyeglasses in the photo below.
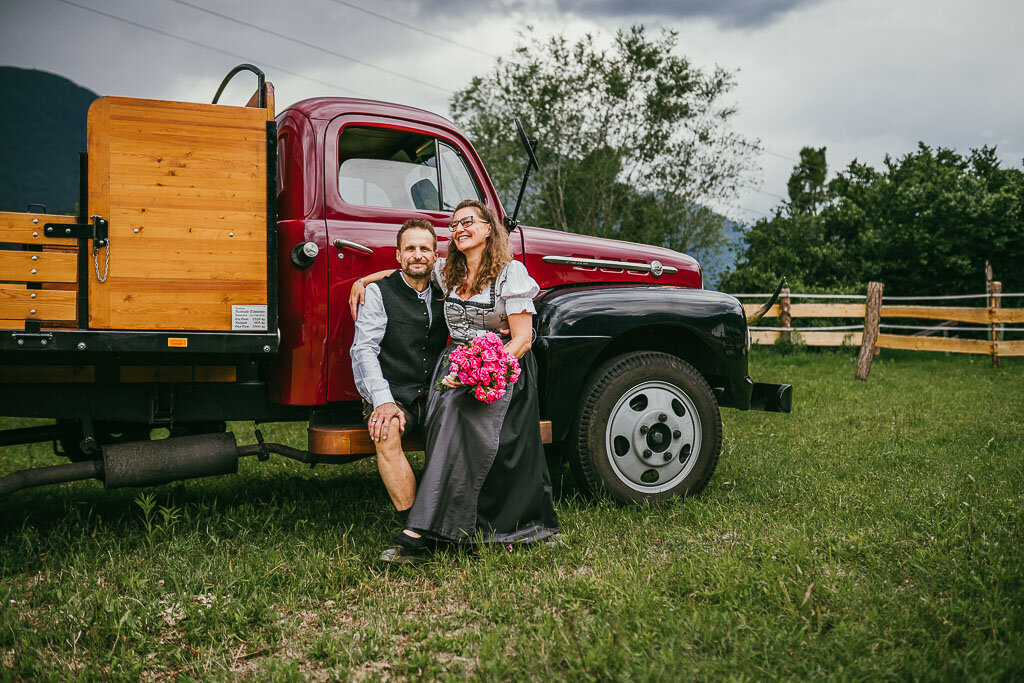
(467, 222)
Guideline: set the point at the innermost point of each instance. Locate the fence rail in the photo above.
(993, 318)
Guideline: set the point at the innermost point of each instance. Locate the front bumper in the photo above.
(773, 398)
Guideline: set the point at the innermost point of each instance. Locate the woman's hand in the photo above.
(451, 380)
(357, 295)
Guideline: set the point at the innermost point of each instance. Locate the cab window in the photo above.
(401, 170)
(456, 180)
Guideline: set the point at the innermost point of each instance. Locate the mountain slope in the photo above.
(43, 118)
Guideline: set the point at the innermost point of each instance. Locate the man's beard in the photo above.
(408, 270)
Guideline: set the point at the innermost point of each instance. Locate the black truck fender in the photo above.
(578, 328)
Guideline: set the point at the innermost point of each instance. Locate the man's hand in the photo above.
(356, 297)
(380, 420)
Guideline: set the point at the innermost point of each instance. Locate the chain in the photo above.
(96, 263)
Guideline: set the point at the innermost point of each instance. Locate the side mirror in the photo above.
(532, 165)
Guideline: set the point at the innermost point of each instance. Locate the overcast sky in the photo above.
(862, 77)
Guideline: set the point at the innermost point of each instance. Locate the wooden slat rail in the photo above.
(981, 316)
(991, 315)
(27, 228)
(812, 310)
(355, 440)
(17, 302)
(38, 266)
(49, 262)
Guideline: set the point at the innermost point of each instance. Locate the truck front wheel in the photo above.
(648, 429)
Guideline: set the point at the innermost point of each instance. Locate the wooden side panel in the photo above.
(183, 187)
(38, 266)
(36, 304)
(27, 228)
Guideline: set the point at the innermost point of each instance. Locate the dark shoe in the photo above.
(411, 542)
(397, 554)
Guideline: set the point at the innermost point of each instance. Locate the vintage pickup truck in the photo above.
(206, 279)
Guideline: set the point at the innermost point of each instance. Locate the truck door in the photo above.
(380, 172)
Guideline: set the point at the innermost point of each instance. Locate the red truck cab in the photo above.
(351, 171)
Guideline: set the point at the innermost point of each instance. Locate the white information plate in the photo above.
(249, 318)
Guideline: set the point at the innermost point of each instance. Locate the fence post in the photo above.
(872, 314)
(785, 314)
(995, 301)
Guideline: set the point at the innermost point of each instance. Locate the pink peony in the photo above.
(486, 366)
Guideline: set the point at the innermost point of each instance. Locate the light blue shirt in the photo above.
(371, 323)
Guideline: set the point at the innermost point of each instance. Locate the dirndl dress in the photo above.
(485, 478)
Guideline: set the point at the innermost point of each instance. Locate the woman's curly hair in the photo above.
(497, 254)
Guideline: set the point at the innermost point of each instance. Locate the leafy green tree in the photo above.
(924, 224)
(807, 189)
(633, 139)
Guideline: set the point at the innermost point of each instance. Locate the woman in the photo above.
(485, 474)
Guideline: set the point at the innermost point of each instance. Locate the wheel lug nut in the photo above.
(644, 429)
(662, 417)
(676, 434)
(647, 453)
(667, 456)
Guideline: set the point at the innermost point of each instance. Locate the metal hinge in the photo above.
(97, 230)
(32, 340)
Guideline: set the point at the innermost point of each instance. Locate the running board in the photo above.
(355, 440)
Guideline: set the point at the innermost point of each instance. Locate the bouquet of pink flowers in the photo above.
(484, 365)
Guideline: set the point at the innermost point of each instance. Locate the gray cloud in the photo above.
(743, 14)
(727, 13)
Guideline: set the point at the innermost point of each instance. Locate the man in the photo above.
(399, 333)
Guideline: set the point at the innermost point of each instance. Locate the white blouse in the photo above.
(514, 285)
(488, 310)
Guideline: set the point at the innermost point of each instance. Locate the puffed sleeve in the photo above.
(518, 289)
(436, 275)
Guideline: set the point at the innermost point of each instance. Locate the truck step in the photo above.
(355, 440)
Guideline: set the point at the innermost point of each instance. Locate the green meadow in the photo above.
(876, 532)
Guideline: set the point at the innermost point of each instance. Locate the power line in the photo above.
(415, 28)
(211, 47)
(311, 46)
(781, 156)
(771, 194)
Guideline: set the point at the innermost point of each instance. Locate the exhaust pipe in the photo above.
(151, 463)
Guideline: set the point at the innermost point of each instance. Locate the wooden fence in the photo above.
(873, 307)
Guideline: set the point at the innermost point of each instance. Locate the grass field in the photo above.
(875, 532)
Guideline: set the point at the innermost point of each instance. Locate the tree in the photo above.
(924, 224)
(632, 139)
(807, 189)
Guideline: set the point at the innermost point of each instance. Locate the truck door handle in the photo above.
(339, 243)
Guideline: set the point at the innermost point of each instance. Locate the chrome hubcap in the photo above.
(652, 437)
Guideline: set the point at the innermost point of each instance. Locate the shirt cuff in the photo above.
(381, 397)
(519, 305)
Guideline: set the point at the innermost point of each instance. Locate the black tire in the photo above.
(669, 418)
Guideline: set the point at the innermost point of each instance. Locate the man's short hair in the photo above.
(420, 223)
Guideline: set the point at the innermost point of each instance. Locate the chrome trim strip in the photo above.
(339, 243)
(605, 263)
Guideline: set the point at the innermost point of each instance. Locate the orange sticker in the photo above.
(177, 342)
